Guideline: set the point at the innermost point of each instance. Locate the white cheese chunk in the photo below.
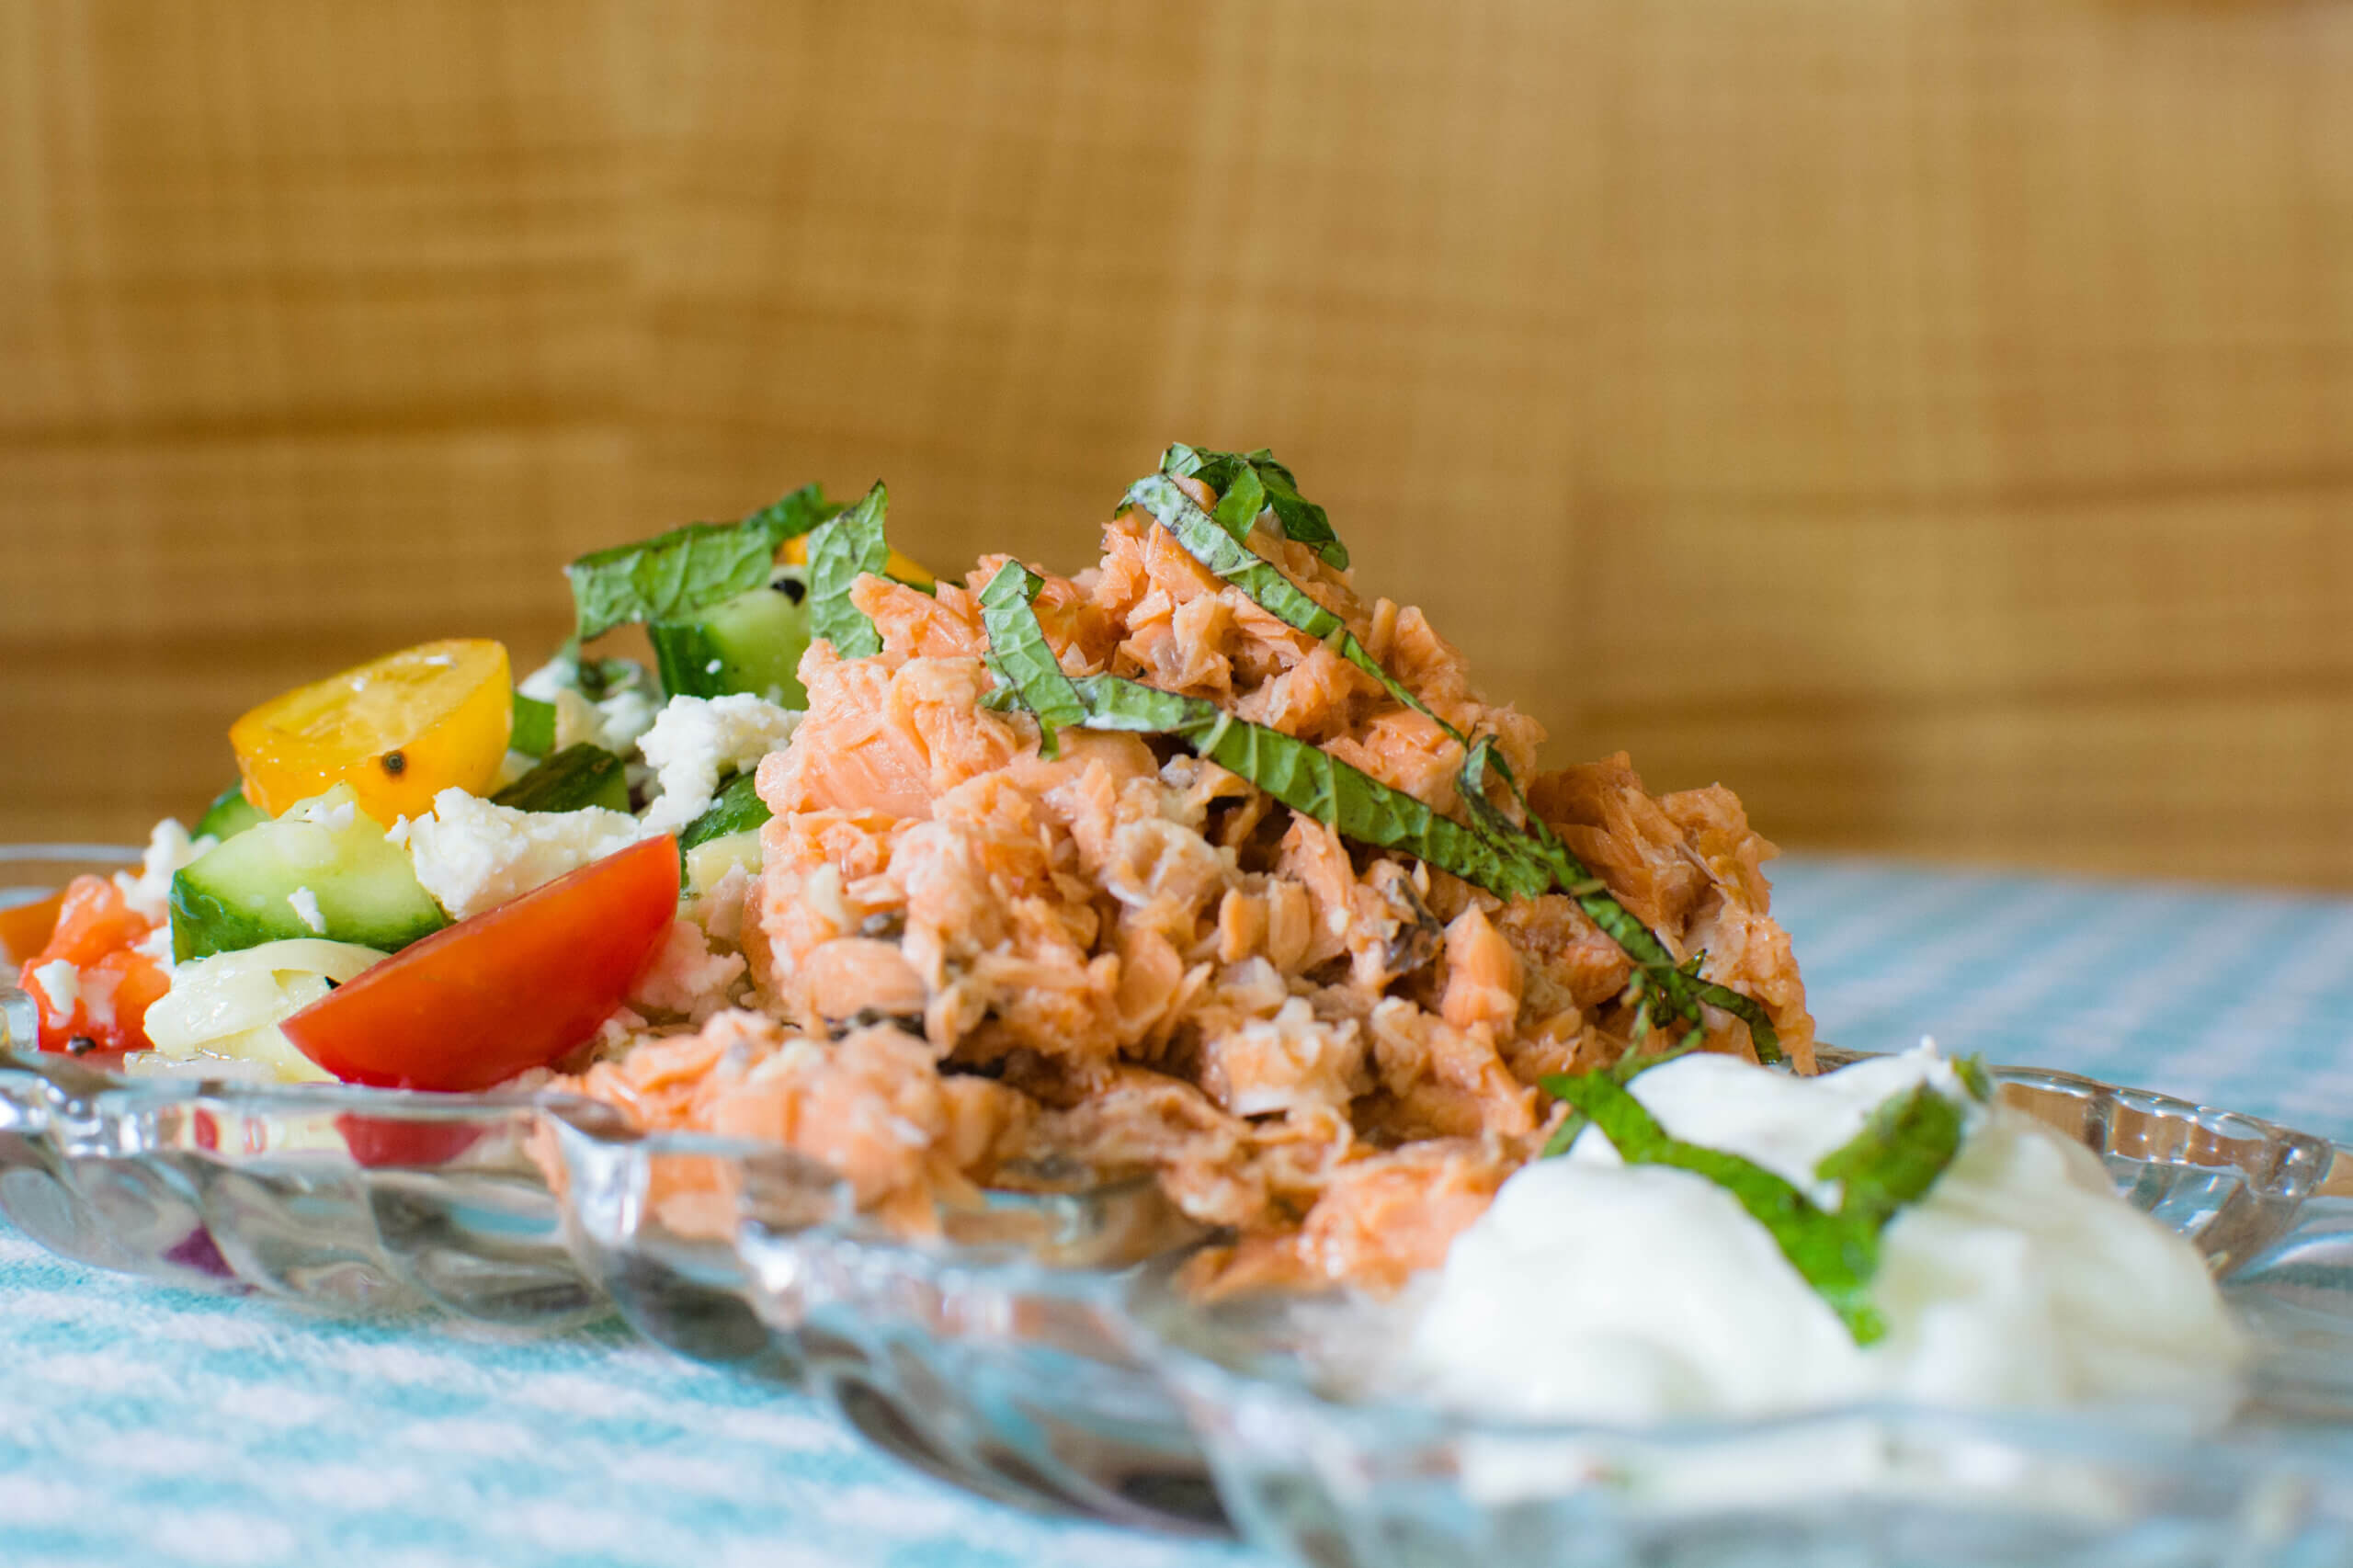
(168, 848)
(472, 855)
(61, 983)
(696, 740)
(306, 910)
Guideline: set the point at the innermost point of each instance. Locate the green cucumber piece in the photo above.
(573, 777)
(751, 642)
(708, 862)
(246, 891)
(534, 732)
(229, 814)
(737, 808)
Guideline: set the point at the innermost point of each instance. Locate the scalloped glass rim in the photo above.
(1016, 1329)
(2282, 1239)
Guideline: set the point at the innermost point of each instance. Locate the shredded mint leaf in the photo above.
(1898, 1155)
(534, 732)
(1299, 518)
(1302, 776)
(1215, 540)
(1625, 1069)
(737, 808)
(1660, 978)
(840, 551)
(1835, 1252)
(1310, 780)
(1018, 649)
(1908, 1142)
(688, 568)
(1975, 1077)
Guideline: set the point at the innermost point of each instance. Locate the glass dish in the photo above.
(985, 1359)
(1311, 1465)
(1033, 1355)
(342, 1198)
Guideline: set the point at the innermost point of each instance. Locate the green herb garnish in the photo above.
(1021, 656)
(1975, 1077)
(1309, 780)
(1901, 1151)
(1299, 518)
(1216, 540)
(689, 568)
(840, 551)
(737, 808)
(1898, 1155)
(534, 732)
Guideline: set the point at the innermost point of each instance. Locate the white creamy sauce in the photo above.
(1596, 1290)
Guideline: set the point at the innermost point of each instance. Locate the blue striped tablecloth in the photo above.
(141, 1425)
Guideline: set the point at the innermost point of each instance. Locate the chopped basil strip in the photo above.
(1302, 776)
(1898, 1155)
(1216, 541)
(1309, 780)
(1658, 978)
(1975, 1078)
(737, 808)
(1894, 1160)
(688, 568)
(1019, 651)
(1625, 1069)
(850, 546)
(1299, 518)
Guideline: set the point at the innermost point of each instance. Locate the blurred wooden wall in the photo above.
(1934, 418)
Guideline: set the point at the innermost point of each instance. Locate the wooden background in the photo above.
(1934, 418)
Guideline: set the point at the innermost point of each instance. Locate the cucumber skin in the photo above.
(203, 923)
(708, 861)
(234, 895)
(755, 639)
(738, 808)
(574, 778)
(229, 814)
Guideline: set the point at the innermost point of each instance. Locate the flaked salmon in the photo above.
(967, 952)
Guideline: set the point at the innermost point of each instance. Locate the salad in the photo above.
(1197, 861)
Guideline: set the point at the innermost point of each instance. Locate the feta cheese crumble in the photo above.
(697, 739)
(61, 983)
(306, 910)
(168, 848)
(472, 855)
(686, 977)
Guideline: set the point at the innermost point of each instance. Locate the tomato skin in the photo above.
(94, 933)
(382, 1141)
(513, 988)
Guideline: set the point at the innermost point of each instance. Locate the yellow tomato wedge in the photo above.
(399, 730)
(796, 553)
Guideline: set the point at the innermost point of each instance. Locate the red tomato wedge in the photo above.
(511, 989)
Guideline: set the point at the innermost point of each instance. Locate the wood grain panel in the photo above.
(1934, 418)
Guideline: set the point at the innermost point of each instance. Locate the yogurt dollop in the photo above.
(1592, 1290)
